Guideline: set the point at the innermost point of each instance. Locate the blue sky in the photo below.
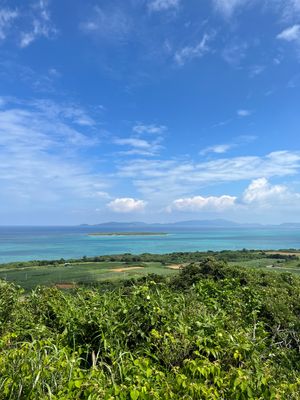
(149, 110)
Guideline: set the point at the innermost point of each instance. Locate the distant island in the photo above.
(128, 234)
(190, 224)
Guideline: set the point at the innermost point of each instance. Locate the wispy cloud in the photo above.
(189, 53)
(289, 9)
(228, 7)
(290, 34)
(163, 5)
(225, 147)
(256, 70)
(65, 111)
(139, 146)
(126, 205)
(41, 82)
(235, 52)
(42, 25)
(286, 9)
(7, 16)
(244, 113)
(141, 128)
(218, 149)
(40, 160)
(53, 72)
(294, 82)
(134, 142)
(164, 179)
(222, 123)
(110, 23)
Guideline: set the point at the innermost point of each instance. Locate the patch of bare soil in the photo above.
(65, 285)
(177, 266)
(124, 269)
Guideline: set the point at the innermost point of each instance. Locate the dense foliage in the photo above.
(176, 257)
(212, 332)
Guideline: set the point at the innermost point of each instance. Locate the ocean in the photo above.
(41, 243)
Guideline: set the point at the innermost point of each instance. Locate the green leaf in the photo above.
(134, 394)
(77, 384)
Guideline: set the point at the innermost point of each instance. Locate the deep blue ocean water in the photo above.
(32, 243)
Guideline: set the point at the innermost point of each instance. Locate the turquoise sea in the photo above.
(32, 243)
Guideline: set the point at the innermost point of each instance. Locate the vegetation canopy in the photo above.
(212, 331)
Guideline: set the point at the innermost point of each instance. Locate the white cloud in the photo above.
(287, 9)
(244, 113)
(189, 53)
(111, 23)
(256, 70)
(260, 190)
(69, 111)
(126, 205)
(294, 82)
(7, 17)
(39, 156)
(134, 142)
(218, 149)
(41, 24)
(228, 7)
(54, 72)
(223, 148)
(235, 52)
(263, 197)
(163, 5)
(198, 203)
(27, 38)
(258, 197)
(280, 163)
(139, 146)
(290, 9)
(222, 123)
(152, 128)
(101, 195)
(290, 34)
(168, 179)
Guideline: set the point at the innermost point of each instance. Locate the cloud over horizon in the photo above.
(198, 203)
(126, 205)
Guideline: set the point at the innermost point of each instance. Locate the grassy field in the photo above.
(273, 264)
(81, 272)
(74, 273)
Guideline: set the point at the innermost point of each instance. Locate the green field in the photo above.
(124, 267)
(271, 264)
(81, 272)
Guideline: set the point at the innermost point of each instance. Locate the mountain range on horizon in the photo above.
(217, 223)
